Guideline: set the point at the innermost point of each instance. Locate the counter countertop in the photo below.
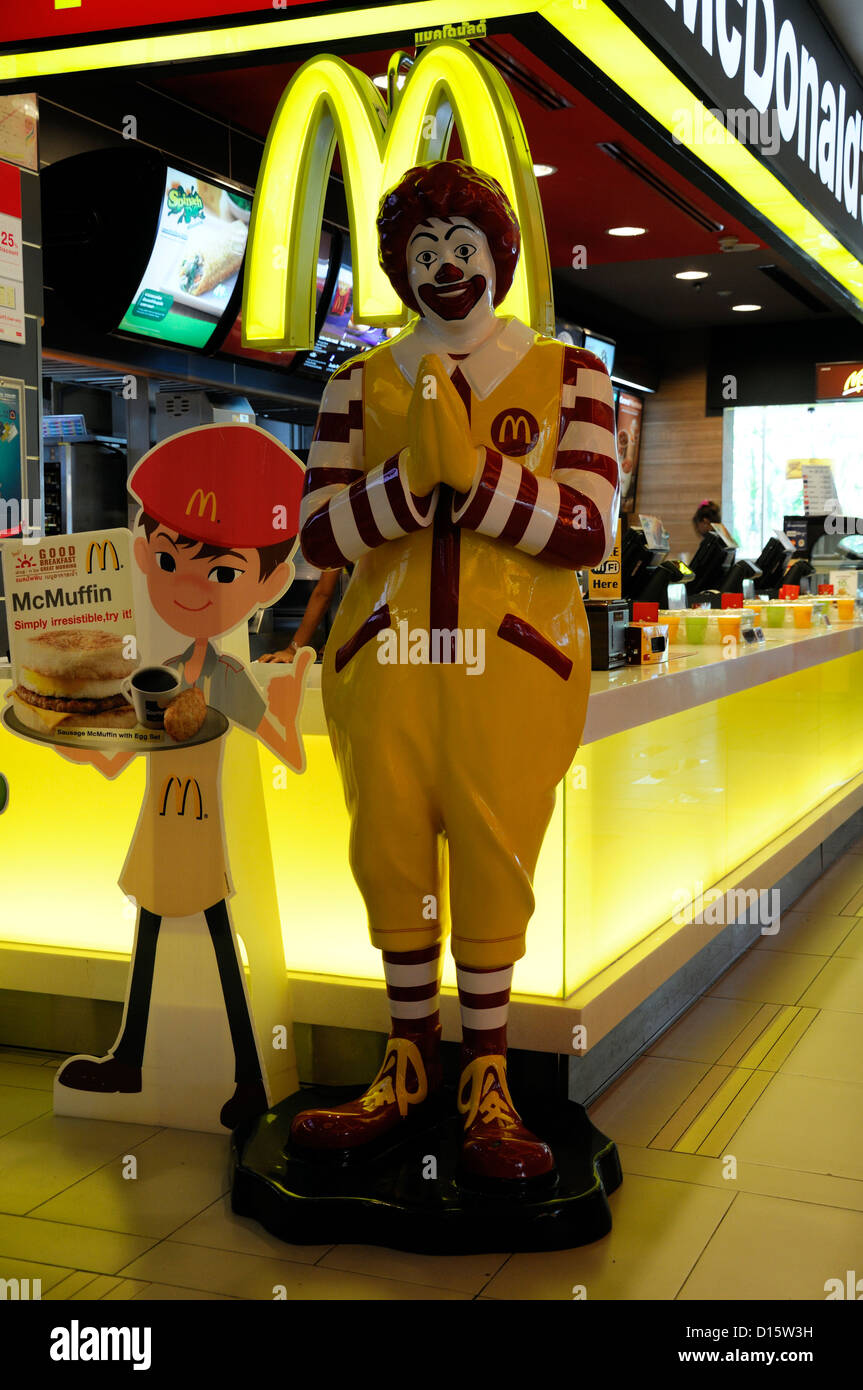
(634, 695)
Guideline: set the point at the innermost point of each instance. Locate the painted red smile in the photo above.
(453, 301)
(186, 609)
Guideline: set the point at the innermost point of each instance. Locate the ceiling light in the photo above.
(381, 81)
(745, 308)
(542, 169)
(692, 275)
(627, 231)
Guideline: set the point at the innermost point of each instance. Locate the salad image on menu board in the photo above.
(193, 268)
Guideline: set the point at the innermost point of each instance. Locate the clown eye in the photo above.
(426, 258)
(224, 574)
(166, 561)
(465, 251)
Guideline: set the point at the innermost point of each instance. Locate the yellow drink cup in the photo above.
(671, 617)
(729, 625)
(802, 614)
(845, 607)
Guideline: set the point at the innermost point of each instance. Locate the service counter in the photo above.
(713, 772)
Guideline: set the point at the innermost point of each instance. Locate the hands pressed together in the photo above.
(439, 448)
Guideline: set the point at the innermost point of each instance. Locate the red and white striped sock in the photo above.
(484, 999)
(413, 986)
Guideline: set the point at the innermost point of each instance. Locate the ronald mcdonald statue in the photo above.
(466, 469)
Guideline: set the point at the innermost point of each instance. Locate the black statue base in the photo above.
(408, 1196)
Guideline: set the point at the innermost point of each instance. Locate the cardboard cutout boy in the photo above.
(218, 525)
(468, 469)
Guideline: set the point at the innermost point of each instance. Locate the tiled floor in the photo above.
(740, 1133)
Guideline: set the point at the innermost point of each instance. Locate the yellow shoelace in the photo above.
(483, 1092)
(390, 1085)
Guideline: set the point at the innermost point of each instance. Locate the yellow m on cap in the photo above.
(326, 102)
(202, 500)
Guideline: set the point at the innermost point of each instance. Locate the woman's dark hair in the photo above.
(447, 188)
(706, 511)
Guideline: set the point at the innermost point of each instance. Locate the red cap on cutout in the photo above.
(225, 485)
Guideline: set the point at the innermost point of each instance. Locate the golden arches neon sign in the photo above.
(328, 102)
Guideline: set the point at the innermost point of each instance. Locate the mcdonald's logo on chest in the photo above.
(515, 432)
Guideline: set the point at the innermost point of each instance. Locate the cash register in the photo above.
(646, 568)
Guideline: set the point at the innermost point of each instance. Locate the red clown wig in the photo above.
(447, 188)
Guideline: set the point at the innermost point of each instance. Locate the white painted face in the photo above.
(451, 270)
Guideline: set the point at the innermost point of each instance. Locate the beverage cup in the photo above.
(802, 614)
(151, 689)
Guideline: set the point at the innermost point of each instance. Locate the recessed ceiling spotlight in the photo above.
(692, 275)
(745, 308)
(541, 170)
(627, 231)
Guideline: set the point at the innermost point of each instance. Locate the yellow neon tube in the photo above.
(320, 29)
(607, 42)
(326, 102)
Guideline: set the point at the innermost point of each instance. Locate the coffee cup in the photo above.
(151, 689)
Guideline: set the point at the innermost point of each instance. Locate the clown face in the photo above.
(451, 271)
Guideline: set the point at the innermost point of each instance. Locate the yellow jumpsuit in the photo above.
(430, 753)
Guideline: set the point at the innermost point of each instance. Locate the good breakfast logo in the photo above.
(185, 204)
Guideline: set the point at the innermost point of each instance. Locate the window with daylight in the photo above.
(759, 443)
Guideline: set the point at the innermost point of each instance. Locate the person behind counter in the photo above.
(319, 602)
(706, 513)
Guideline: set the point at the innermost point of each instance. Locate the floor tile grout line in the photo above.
(720, 1083)
(750, 1072)
(768, 1023)
(83, 1177)
(752, 1192)
(492, 1277)
(122, 1273)
(731, 1066)
(698, 1001)
(710, 1066)
(703, 1249)
(33, 1118)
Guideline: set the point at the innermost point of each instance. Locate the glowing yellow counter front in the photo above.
(708, 772)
